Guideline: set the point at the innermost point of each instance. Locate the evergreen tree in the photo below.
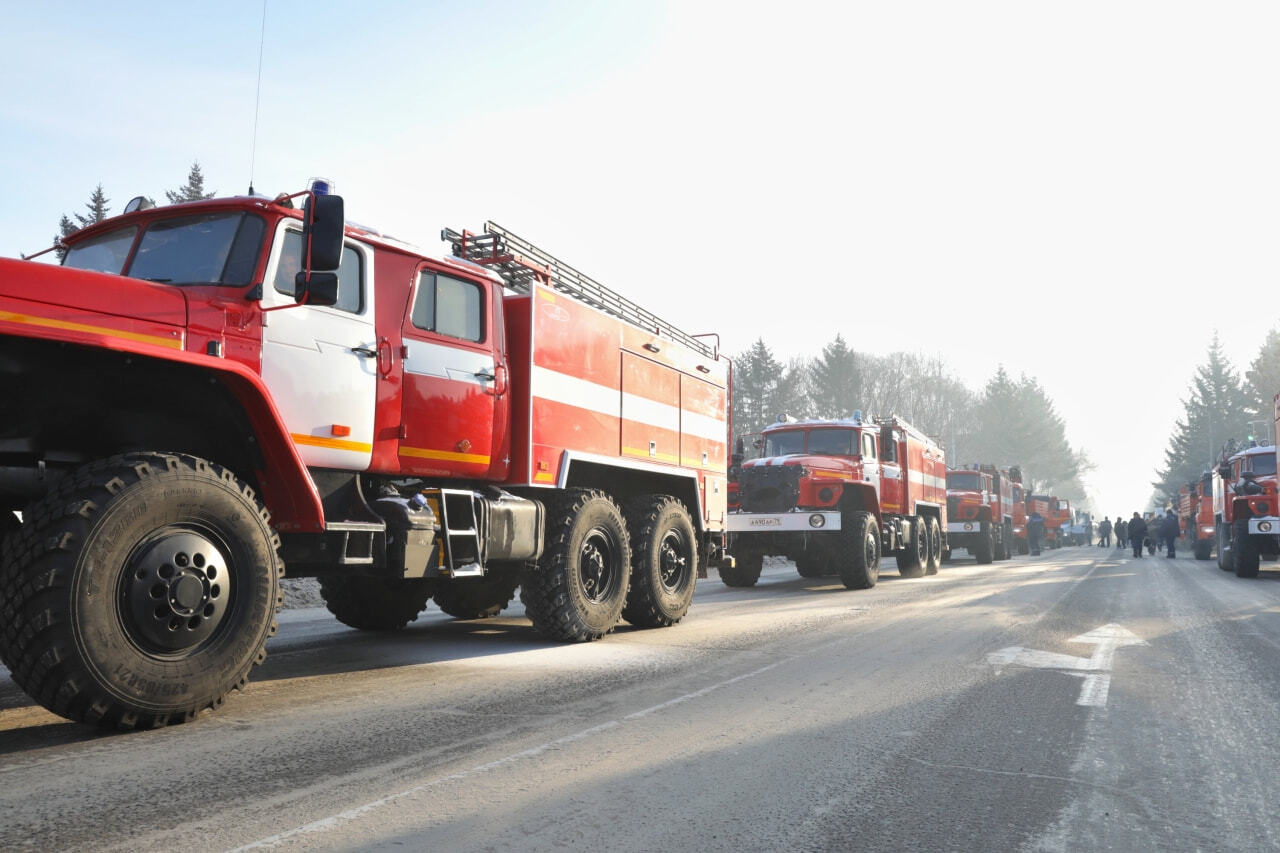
(193, 190)
(835, 381)
(97, 207)
(1262, 383)
(1217, 410)
(756, 378)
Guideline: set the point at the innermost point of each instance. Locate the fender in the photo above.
(286, 486)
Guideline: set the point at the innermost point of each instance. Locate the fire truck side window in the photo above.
(868, 445)
(350, 273)
(448, 306)
(102, 254)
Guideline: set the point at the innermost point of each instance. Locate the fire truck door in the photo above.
(870, 460)
(321, 363)
(455, 381)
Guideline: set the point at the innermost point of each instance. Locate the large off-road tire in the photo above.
(577, 591)
(664, 561)
(748, 563)
(912, 560)
(811, 564)
(1245, 547)
(859, 550)
(934, 529)
(375, 604)
(1202, 549)
(140, 591)
(1004, 548)
(983, 546)
(476, 598)
(1226, 554)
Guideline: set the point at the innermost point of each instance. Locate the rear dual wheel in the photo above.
(579, 587)
(664, 561)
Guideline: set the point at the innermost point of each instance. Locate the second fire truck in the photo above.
(834, 495)
(980, 507)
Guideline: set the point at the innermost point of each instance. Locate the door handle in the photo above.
(485, 375)
(364, 352)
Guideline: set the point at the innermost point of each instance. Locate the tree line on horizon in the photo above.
(97, 206)
(1009, 422)
(1221, 406)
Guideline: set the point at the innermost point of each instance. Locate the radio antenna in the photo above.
(257, 98)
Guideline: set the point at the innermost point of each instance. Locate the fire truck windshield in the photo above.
(784, 443)
(212, 248)
(963, 481)
(833, 442)
(1264, 464)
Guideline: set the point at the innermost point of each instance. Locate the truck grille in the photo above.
(773, 488)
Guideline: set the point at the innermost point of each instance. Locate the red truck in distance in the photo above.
(1195, 516)
(835, 495)
(206, 393)
(980, 512)
(1245, 508)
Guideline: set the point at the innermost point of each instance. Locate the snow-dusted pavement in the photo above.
(1081, 700)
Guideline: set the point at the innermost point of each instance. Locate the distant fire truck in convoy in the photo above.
(205, 393)
(1056, 513)
(1195, 515)
(980, 512)
(1019, 511)
(1245, 508)
(834, 495)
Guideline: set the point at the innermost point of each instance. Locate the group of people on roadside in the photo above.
(1139, 531)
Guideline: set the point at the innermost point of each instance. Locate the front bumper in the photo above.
(1267, 525)
(781, 522)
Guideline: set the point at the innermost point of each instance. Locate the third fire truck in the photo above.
(833, 495)
(980, 509)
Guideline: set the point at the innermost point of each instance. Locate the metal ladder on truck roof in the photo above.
(520, 263)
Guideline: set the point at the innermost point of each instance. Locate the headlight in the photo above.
(817, 520)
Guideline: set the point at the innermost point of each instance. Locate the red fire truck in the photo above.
(206, 393)
(980, 512)
(1056, 512)
(1195, 515)
(834, 495)
(1019, 510)
(1244, 508)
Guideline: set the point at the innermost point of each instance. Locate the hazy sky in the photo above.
(1082, 191)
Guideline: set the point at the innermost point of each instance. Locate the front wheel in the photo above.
(859, 551)
(374, 604)
(811, 565)
(1246, 550)
(748, 563)
(1202, 549)
(578, 589)
(664, 567)
(1226, 554)
(140, 591)
(982, 548)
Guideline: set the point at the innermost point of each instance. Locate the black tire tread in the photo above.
(543, 589)
(644, 607)
(36, 567)
(375, 604)
(476, 598)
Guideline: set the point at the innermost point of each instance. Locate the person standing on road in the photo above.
(1035, 530)
(1104, 532)
(1137, 532)
(1169, 530)
(1122, 532)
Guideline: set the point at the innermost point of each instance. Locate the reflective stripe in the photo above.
(50, 323)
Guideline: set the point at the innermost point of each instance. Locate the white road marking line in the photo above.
(1096, 669)
(334, 821)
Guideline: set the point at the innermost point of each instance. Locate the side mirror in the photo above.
(317, 288)
(1224, 472)
(323, 225)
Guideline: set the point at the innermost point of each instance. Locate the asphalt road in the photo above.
(1081, 700)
